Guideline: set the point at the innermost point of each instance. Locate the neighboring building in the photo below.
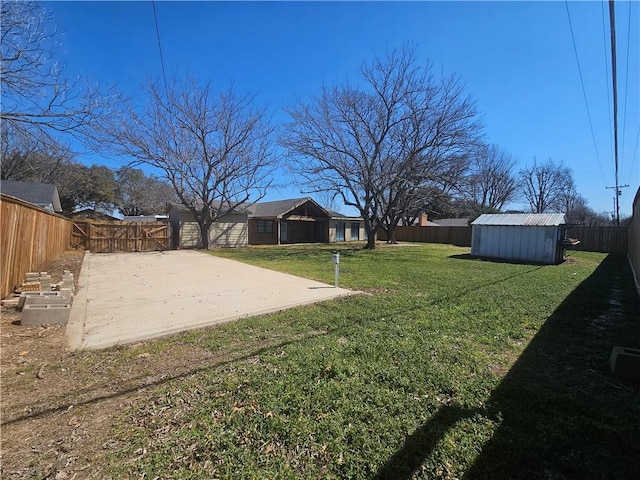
(451, 222)
(92, 214)
(228, 231)
(43, 195)
(146, 218)
(343, 228)
(420, 221)
(535, 237)
(296, 220)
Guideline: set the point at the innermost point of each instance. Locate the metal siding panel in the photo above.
(534, 246)
(550, 245)
(482, 240)
(541, 246)
(511, 242)
(506, 232)
(529, 250)
(517, 240)
(487, 241)
(500, 233)
(475, 239)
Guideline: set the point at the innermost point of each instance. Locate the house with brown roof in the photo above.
(295, 220)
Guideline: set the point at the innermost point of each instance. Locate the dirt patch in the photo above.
(43, 435)
(22, 345)
(59, 407)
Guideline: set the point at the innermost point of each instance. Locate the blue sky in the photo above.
(516, 59)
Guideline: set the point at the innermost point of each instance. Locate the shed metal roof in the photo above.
(521, 219)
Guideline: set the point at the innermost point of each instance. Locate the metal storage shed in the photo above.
(533, 237)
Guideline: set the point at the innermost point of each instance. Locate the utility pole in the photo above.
(616, 198)
(612, 21)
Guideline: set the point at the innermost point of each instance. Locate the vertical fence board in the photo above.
(30, 238)
(634, 240)
(110, 237)
(460, 236)
(592, 239)
(600, 239)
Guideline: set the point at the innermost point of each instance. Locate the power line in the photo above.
(584, 92)
(164, 75)
(626, 86)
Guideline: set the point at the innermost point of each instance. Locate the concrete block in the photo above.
(45, 314)
(625, 363)
(25, 295)
(30, 287)
(68, 294)
(10, 302)
(67, 282)
(33, 300)
(45, 283)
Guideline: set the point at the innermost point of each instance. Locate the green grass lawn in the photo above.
(447, 367)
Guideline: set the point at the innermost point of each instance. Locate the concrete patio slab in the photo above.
(129, 297)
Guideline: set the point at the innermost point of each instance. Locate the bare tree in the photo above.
(546, 185)
(493, 181)
(414, 194)
(328, 200)
(216, 151)
(29, 157)
(375, 145)
(37, 98)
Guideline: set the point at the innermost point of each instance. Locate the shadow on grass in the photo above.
(135, 384)
(560, 412)
(468, 256)
(482, 285)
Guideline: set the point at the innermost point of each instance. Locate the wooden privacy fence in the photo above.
(634, 239)
(30, 237)
(600, 239)
(592, 239)
(460, 236)
(110, 237)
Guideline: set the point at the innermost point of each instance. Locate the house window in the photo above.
(265, 226)
(355, 231)
(340, 231)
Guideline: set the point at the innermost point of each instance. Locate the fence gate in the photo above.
(110, 237)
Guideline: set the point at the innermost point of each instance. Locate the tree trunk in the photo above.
(204, 235)
(391, 234)
(371, 241)
(371, 235)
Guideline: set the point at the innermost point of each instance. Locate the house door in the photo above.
(340, 231)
